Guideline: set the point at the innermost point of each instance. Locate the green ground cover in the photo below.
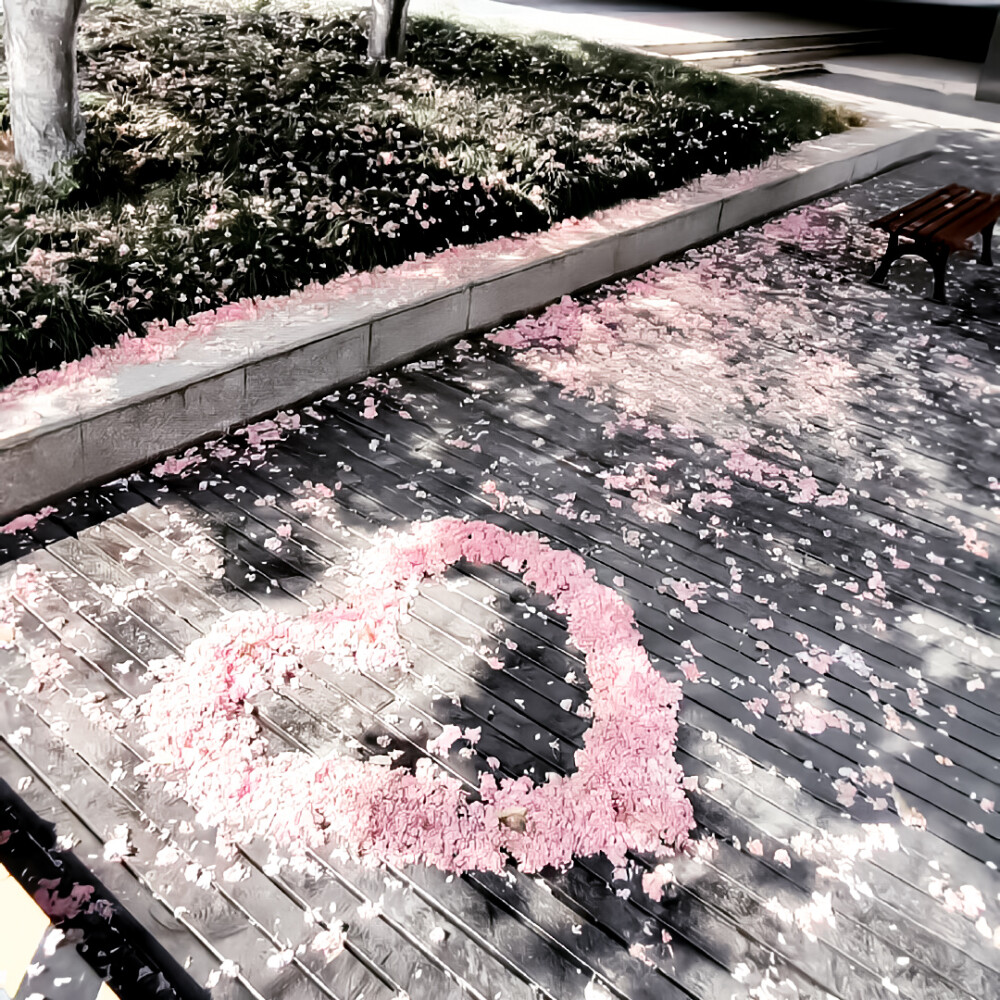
(244, 154)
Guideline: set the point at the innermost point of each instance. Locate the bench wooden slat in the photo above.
(958, 233)
(901, 216)
(951, 211)
(923, 224)
(954, 208)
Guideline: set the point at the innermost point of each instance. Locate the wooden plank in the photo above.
(901, 216)
(957, 232)
(223, 911)
(985, 764)
(248, 497)
(453, 948)
(500, 715)
(179, 940)
(255, 509)
(392, 960)
(929, 224)
(738, 547)
(358, 456)
(474, 962)
(950, 216)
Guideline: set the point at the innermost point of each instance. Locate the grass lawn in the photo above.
(248, 153)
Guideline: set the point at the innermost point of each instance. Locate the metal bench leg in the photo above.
(891, 254)
(987, 255)
(939, 261)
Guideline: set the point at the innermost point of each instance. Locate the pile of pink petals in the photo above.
(205, 739)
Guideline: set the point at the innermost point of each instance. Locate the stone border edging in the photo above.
(54, 443)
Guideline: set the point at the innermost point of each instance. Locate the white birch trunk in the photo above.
(40, 43)
(387, 33)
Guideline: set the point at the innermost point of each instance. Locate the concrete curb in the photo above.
(55, 443)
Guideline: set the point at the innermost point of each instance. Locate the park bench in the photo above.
(937, 224)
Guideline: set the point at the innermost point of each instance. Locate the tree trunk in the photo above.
(45, 117)
(387, 33)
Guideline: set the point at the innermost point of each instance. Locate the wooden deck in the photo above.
(791, 891)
